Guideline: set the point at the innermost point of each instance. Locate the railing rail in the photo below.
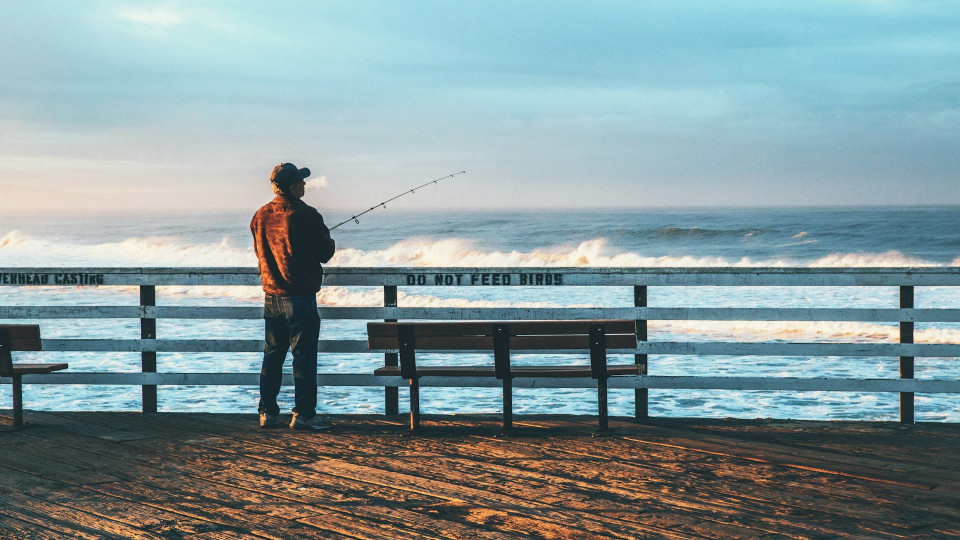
(150, 344)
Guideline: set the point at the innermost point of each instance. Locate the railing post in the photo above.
(148, 359)
(906, 362)
(641, 395)
(391, 393)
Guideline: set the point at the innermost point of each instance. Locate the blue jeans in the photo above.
(290, 322)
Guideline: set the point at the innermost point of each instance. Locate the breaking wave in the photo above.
(20, 250)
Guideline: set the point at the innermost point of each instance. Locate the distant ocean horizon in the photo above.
(908, 236)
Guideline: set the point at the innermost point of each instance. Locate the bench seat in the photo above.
(27, 369)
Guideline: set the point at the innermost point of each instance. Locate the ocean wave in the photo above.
(596, 252)
(692, 233)
(18, 249)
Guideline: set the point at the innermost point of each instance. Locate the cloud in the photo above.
(663, 102)
(158, 17)
(319, 182)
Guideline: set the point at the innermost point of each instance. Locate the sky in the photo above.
(135, 105)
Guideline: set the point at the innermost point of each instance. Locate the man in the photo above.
(291, 242)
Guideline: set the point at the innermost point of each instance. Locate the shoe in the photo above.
(269, 420)
(314, 423)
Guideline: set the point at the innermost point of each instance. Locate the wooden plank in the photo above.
(798, 314)
(91, 509)
(682, 276)
(186, 345)
(230, 509)
(675, 440)
(516, 371)
(386, 378)
(23, 369)
(719, 348)
(571, 276)
(70, 312)
(13, 527)
(650, 313)
(571, 371)
(39, 525)
(26, 344)
(798, 384)
(688, 484)
(209, 502)
(708, 348)
(21, 331)
(516, 328)
(322, 500)
(517, 343)
(53, 467)
(420, 313)
(644, 462)
(644, 475)
(309, 449)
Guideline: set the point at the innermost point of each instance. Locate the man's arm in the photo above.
(325, 245)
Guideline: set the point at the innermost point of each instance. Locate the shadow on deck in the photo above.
(183, 475)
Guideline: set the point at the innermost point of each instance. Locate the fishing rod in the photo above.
(384, 203)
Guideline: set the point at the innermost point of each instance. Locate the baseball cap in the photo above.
(287, 174)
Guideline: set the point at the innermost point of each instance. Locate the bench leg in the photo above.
(507, 405)
(602, 406)
(17, 401)
(414, 405)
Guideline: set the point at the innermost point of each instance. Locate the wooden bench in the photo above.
(20, 337)
(502, 337)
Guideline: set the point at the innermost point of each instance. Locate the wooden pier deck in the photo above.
(183, 475)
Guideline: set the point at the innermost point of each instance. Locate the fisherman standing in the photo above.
(291, 243)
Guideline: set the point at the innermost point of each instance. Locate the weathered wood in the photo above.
(22, 368)
(183, 475)
(517, 343)
(460, 329)
(516, 371)
(500, 337)
(707, 348)
(641, 396)
(632, 381)
(906, 315)
(17, 337)
(571, 276)
(643, 463)
(148, 359)
(14, 338)
(906, 362)
(26, 332)
(418, 313)
(391, 395)
(888, 315)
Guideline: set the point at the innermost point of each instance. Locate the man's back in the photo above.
(291, 242)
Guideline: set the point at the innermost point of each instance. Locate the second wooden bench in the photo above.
(21, 337)
(502, 337)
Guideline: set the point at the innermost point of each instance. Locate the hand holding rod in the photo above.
(384, 203)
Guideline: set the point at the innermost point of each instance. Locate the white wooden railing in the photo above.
(390, 279)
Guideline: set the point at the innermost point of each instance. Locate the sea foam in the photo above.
(20, 250)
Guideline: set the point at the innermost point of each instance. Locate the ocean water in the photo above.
(745, 237)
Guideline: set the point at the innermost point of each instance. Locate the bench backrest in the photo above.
(524, 335)
(16, 337)
(501, 337)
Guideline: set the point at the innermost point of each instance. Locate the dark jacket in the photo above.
(291, 242)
